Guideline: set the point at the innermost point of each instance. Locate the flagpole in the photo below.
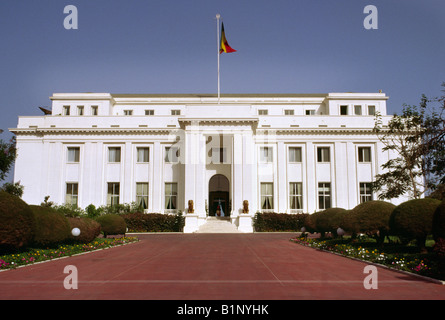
(218, 16)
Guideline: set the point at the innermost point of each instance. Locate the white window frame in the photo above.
(321, 157)
(324, 197)
(113, 197)
(267, 196)
(362, 156)
(263, 157)
(73, 154)
(366, 195)
(297, 196)
(171, 154)
(72, 196)
(142, 154)
(116, 158)
(142, 195)
(171, 198)
(290, 151)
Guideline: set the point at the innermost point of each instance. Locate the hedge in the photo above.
(89, 229)
(17, 223)
(112, 224)
(52, 227)
(413, 219)
(154, 222)
(272, 222)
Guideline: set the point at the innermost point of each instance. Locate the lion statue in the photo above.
(191, 210)
(245, 206)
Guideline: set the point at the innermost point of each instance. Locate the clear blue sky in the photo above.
(169, 46)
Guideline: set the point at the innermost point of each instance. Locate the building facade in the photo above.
(286, 153)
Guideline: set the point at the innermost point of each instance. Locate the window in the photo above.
(323, 154)
(343, 110)
(295, 195)
(358, 110)
(171, 194)
(66, 110)
(142, 194)
(80, 110)
(143, 154)
(371, 110)
(294, 154)
(176, 112)
(266, 155)
(171, 154)
(219, 155)
(324, 195)
(149, 112)
(288, 112)
(364, 154)
(73, 154)
(94, 110)
(113, 193)
(263, 112)
(114, 154)
(266, 196)
(72, 193)
(365, 192)
(310, 112)
(128, 112)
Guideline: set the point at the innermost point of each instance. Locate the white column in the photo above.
(311, 185)
(237, 174)
(157, 187)
(127, 175)
(250, 181)
(281, 177)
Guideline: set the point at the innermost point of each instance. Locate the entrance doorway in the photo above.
(219, 203)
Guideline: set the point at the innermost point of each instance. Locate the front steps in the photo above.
(218, 225)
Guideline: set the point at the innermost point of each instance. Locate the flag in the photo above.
(224, 47)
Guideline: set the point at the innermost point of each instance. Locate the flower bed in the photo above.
(38, 255)
(423, 264)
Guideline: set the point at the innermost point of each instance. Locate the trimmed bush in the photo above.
(270, 221)
(89, 229)
(154, 222)
(17, 223)
(329, 220)
(438, 228)
(112, 224)
(372, 218)
(51, 227)
(413, 219)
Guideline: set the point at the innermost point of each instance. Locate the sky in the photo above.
(170, 46)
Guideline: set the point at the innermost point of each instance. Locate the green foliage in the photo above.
(89, 229)
(15, 189)
(112, 224)
(271, 222)
(439, 222)
(52, 227)
(123, 208)
(7, 156)
(154, 222)
(69, 210)
(372, 218)
(17, 223)
(329, 220)
(414, 219)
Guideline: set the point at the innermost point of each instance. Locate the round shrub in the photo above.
(438, 227)
(413, 219)
(51, 227)
(17, 223)
(372, 218)
(329, 220)
(89, 229)
(112, 224)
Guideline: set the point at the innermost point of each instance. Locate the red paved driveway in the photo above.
(211, 267)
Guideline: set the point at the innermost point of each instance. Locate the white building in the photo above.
(285, 153)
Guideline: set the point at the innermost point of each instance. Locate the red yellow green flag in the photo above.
(224, 47)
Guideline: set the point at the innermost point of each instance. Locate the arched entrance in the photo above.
(219, 187)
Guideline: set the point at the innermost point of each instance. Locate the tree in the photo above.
(417, 139)
(7, 156)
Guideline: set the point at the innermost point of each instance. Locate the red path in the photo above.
(212, 267)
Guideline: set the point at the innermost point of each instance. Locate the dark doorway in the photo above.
(219, 203)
